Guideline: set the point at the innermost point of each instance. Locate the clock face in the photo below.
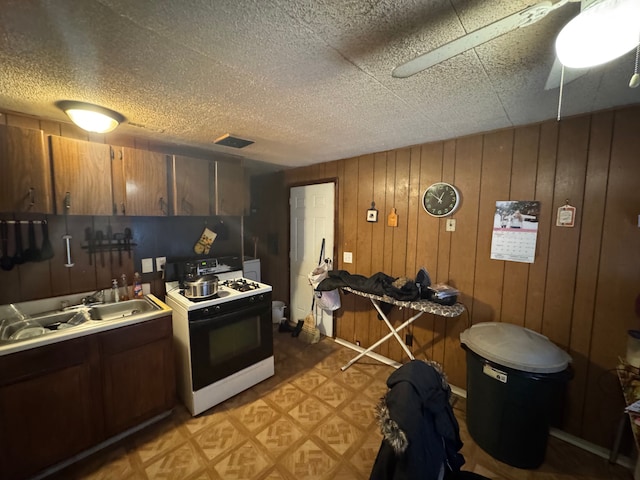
(441, 199)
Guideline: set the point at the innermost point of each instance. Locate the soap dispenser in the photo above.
(137, 286)
(124, 288)
(115, 293)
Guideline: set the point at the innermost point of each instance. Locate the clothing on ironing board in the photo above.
(377, 284)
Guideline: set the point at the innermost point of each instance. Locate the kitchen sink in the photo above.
(127, 308)
(13, 330)
(42, 322)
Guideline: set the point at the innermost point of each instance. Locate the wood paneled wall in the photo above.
(580, 291)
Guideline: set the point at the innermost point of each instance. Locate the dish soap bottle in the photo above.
(115, 293)
(124, 288)
(137, 286)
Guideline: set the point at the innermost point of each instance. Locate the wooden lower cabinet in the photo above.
(50, 405)
(138, 373)
(61, 399)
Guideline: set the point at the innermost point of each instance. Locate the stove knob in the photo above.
(252, 299)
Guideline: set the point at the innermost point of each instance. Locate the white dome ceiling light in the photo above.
(91, 118)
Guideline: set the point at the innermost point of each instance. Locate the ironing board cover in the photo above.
(418, 305)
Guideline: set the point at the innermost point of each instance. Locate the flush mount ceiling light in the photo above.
(603, 31)
(91, 118)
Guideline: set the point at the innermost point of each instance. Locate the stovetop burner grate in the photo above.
(200, 299)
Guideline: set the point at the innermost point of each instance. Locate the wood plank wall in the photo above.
(580, 291)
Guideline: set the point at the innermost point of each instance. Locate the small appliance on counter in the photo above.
(222, 329)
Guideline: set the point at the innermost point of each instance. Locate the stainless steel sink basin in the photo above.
(111, 311)
(41, 324)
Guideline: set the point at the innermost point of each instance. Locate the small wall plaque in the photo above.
(566, 216)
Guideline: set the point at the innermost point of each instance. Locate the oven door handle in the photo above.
(221, 318)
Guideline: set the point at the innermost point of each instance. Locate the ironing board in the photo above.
(421, 306)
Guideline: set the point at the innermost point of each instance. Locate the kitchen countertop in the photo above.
(87, 328)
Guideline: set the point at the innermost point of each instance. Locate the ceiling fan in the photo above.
(592, 12)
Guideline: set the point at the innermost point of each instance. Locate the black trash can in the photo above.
(516, 379)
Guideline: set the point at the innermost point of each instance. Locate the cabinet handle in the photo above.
(32, 197)
(162, 202)
(124, 212)
(67, 201)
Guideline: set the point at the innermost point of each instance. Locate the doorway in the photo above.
(312, 212)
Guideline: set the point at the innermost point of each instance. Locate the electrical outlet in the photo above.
(357, 343)
(347, 257)
(160, 261)
(451, 225)
(147, 265)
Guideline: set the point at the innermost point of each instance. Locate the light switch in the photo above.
(347, 257)
(160, 261)
(147, 265)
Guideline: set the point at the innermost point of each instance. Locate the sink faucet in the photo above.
(94, 298)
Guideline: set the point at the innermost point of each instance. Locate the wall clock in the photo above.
(441, 199)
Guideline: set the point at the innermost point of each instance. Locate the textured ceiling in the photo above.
(308, 80)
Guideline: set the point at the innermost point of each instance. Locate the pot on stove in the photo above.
(200, 286)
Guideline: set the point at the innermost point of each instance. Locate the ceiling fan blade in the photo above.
(519, 19)
(555, 74)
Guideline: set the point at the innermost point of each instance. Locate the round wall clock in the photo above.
(441, 199)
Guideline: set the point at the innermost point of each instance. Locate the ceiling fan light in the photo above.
(91, 118)
(602, 32)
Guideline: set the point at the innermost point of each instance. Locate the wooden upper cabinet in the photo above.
(230, 189)
(81, 177)
(145, 177)
(25, 182)
(192, 181)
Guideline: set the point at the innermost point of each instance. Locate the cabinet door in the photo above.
(230, 189)
(50, 406)
(25, 183)
(192, 186)
(81, 177)
(139, 379)
(145, 175)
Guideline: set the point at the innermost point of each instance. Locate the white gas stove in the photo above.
(223, 342)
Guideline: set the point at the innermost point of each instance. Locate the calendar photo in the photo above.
(515, 231)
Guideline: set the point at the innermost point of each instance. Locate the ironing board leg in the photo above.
(376, 304)
(393, 332)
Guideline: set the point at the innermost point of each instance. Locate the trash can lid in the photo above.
(515, 347)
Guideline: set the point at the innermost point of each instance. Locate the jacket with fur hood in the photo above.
(421, 434)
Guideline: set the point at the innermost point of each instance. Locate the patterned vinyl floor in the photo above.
(309, 421)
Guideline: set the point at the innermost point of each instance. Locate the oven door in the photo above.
(228, 342)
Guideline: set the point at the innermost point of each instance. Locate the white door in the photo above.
(312, 212)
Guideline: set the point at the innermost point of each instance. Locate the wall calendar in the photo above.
(515, 231)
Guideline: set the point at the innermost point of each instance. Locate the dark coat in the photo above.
(421, 434)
